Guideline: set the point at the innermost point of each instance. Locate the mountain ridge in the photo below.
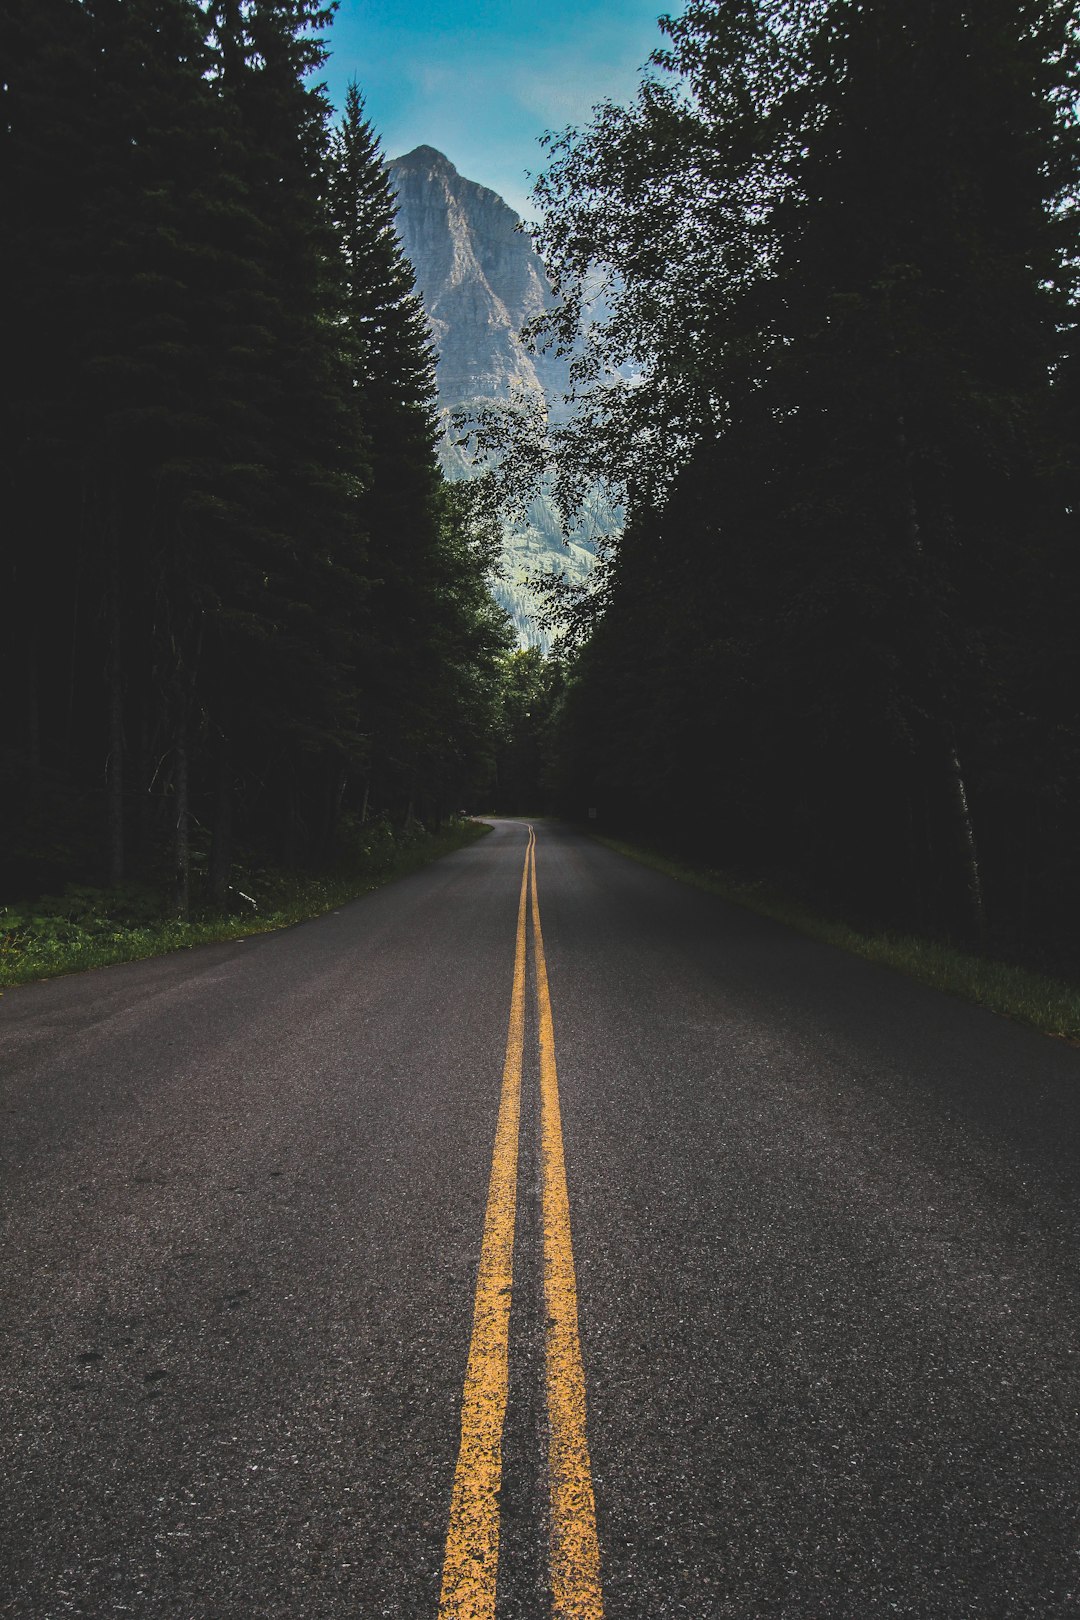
(481, 280)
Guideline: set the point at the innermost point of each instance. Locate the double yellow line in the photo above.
(470, 1565)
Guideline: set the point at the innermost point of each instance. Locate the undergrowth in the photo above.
(1019, 993)
(88, 927)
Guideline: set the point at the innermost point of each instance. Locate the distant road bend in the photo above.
(535, 1237)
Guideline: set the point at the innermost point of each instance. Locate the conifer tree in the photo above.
(302, 558)
(430, 614)
(43, 159)
(219, 399)
(124, 275)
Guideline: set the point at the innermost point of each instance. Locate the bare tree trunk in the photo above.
(968, 848)
(182, 844)
(115, 768)
(221, 848)
(958, 795)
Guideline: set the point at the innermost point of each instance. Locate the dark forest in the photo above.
(836, 391)
(837, 647)
(239, 600)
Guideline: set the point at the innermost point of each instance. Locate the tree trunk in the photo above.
(33, 714)
(144, 775)
(183, 689)
(969, 852)
(73, 671)
(115, 769)
(965, 830)
(1023, 907)
(182, 844)
(221, 847)
(338, 783)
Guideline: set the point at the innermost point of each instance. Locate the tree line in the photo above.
(238, 597)
(839, 641)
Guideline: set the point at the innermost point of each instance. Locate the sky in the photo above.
(482, 80)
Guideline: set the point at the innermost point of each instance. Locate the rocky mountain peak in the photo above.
(427, 157)
(479, 277)
(480, 280)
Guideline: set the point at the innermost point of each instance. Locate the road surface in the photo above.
(298, 1321)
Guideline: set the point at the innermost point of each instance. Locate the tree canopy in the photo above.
(840, 243)
(238, 595)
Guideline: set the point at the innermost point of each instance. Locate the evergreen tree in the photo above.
(45, 151)
(300, 569)
(237, 589)
(430, 621)
(847, 278)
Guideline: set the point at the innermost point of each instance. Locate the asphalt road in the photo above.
(824, 1224)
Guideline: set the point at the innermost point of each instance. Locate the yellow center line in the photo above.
(471, 1561)
(470, 1564)
(575, 1553)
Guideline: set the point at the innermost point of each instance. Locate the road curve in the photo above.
(823, 1224)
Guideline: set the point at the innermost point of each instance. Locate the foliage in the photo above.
(87, 927)
(841, 242)
(238, 600)
(1036, 999)
(532, 689)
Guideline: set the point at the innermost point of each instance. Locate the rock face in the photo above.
(481, 280)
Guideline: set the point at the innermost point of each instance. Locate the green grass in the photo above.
(87, 927)
(1027, 997)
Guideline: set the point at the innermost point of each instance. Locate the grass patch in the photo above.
(1027, 997)
(87, 927)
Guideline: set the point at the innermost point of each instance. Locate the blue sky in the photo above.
(482, 80)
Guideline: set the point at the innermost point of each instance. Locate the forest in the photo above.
(835, 389)
(837, 645)
(241, 608)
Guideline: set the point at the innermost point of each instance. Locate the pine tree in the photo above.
(430, 615)
(301, 562)
(219, 402)
(123, 267)
(44, 150)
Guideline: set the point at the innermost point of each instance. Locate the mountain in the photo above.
(481, 280)
(479, 277)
